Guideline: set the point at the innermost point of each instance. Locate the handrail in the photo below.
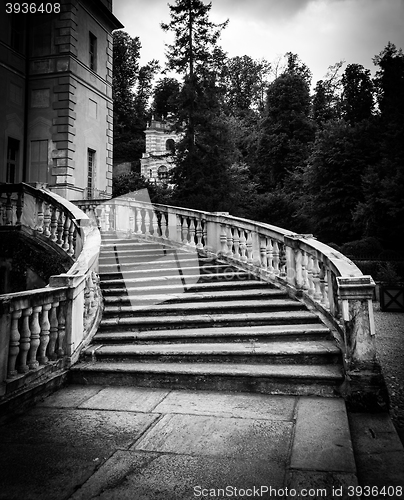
(43, 330)
(310, 270)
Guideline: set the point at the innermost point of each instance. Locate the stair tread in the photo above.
(253, 348)
(330, 372)
(198, 296)
(300, 329)
(190, 287)
(208, 318)
(205, 306)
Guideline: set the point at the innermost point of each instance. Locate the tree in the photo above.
(287, 129)
(165, 97)
(131, 88)
(203, 154)
(245, 82)
(357, 96)
(326, 101)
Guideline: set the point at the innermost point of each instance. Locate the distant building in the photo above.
(56, 96)
(157, 161)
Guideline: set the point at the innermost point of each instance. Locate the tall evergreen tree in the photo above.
(203, 153)
(357, 96)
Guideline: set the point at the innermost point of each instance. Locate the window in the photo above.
(13, 147)
(39, 168)
(90, 173)
(170, 145)
(92, 51)
(162, 172)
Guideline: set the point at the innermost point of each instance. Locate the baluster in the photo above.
(138, 219)
(316, 280)
(324, 286)
(132, 221)
(39, 217)
(192, 232)
(14, 348)
(35, 336)
(236, 243)
(46, 220)
(270, 256)
(61, 330)
(299, 269)
(305, 285)
(53, 332)
(25, 341)
(54, 224)
(263, 253)
(20, 205)
(184, 231)
(179, 228)
(60, 225)
(276, 258)
(204, 234)
(282, 261)
(229, 242)
(243, 246)
(310, 275)
(147, 222)
(155, 221)
(199, 243)
(223, 239)
(249, 248)
(164, 225)
(71, 239)
(65, 237)
(9, 210)
(44, 335)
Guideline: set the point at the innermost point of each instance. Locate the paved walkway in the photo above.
(87, 442)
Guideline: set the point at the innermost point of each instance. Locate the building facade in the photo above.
(157, 161)
(56, 120)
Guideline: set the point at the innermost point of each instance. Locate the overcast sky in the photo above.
(320, 32)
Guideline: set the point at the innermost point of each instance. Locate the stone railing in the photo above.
(319, 275)
(43, 330)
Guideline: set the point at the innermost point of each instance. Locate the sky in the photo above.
(320, 32)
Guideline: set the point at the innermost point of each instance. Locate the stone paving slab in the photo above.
(217, 436)
(44, 472)
(153, 476)
(322, 439)
(61, 426)
(71, 396)
(135, 399)
(228, 405)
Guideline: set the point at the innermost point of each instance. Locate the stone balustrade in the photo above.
(43, 330)
(43, 214)
(310, 270)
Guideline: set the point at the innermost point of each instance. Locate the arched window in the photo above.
(162, 172)
(170, 145)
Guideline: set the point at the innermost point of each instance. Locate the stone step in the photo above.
(297, 352)
(303, 380)
(134, 272)
(269, 333)
(223, 295)
(116, 287)
(208, 307)
(129, 278)
(147, 322)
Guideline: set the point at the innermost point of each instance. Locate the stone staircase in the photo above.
(178, 320)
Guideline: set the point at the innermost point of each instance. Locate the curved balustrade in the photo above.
(43, 330)
(321, 276)
(44, 214)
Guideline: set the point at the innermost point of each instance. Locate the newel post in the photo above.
(365, 387)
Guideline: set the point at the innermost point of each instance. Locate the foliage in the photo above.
(165, 96)
(131, 89)
(287, 129)
(357, 97)
(130, 182)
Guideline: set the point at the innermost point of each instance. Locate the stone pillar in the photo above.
(365, 387)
